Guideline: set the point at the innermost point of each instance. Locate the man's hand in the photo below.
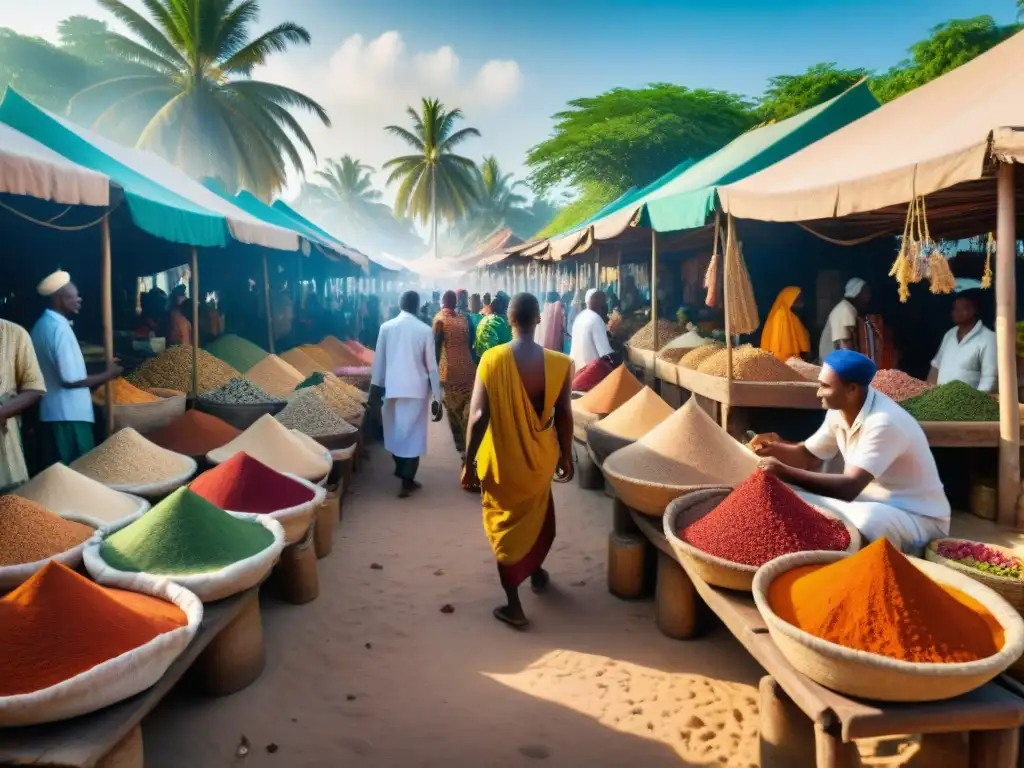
(113, 371)
(436, 411)
(772, 465)
(760, 444)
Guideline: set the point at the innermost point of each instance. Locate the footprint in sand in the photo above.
(535, 751)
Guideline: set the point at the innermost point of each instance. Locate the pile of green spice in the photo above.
(241, 354)
(182, 535)
(952, 401)
(313, 380)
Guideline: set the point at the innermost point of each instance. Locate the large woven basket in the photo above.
(149, 417)
(1012, 590)
(239, 416)
(602, 444)
(580, 419)
(717, 571)
(871, 676)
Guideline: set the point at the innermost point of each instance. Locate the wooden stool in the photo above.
(323, 525)
(588, 474)
(236, 656)
(626, 565)
(676, 600)
(787, 735)
(127, 753)
(300, 582)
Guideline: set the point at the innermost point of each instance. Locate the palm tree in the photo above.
(497, 199)
(197, 104)
(349, 181)
(435, 180)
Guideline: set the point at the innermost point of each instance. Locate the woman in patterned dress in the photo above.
(455, 363)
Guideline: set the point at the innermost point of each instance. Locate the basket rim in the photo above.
(998, 606)
(949, 563)
(678, 506)
(635, 481)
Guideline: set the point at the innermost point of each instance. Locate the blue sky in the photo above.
(510, 65)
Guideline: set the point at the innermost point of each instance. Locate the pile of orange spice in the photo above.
(878, 601)
(59, 624)
(124, 393)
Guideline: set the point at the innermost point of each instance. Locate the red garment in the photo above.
(591, 374)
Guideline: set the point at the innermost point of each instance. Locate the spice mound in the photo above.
(302, 362)
(272, 443)
(644, 338)
(749, 364)
(341, 354)
(241, 354)
(809, 371)
(637, 416)
(363, 353)
(239, 391)
(172, 369)
(324, 360)
(182, 535)
(763, 519)
(124, 393)
(345, 400)
(877, 601)
(695, 357)
(974, 554)
(898, 385)
(29, 532)
(309, 414)
(127, 458)
(243, 484)
(58, 624)
(64, 491)
(194, 433)
(617, 387)
(274, 376)
(952, 401)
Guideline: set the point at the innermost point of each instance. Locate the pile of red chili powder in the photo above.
(763, 519)
(194, 433)
(245, 484)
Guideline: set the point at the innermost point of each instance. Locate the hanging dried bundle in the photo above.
(990, 248)
(918, 253)
(742, 307)
(711, 276)
(940, 276)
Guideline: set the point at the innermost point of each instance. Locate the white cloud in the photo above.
(366, 84)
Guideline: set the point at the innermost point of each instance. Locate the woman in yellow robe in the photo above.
(784, 335)
(520, 438)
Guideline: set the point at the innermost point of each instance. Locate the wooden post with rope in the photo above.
(195, 321)
(1009, 513)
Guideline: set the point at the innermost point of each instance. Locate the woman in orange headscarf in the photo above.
(784, 335)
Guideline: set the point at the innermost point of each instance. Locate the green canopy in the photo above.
(161, 199)
(685, 197)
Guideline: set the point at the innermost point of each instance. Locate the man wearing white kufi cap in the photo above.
(840, 331)
(66, 410)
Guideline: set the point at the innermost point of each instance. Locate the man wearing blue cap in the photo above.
(890, 486)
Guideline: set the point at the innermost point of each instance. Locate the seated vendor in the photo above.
(968, 350)
(890, 486)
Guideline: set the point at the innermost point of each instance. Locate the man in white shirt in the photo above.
(890, 486)
(840, 331)
(590, 331)
(968, 350)
(404, 375)
(66, 408)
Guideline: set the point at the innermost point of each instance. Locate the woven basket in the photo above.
(871, 676)
(580, 420)
(1012, 590)
(239, 416)
(603, 444)
(717, 571)
(149, 417)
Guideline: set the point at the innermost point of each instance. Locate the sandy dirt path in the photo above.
(373, 673)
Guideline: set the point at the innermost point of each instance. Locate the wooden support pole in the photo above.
(195, 321)
(677, 604)
(597, 267)
(994, 749)
(1006, 318)
(266, 302)
(786, 733)
(654, 287)
(618, 274)
(107, 293)
(729, 244)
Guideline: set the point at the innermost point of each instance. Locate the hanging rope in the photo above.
(49, 225)
(836, 241)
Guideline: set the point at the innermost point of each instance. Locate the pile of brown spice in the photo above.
(898, 385)
(29, 532)
(194, 433)
(749, 363)
(694, 357)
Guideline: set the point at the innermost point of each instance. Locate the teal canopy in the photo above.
(290, 213)
(686, 196)
(161, 199)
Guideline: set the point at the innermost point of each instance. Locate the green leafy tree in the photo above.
(789, 95)
(197, 104)
(496, 201)
(40, 71)
(85, 38)
(628, 137)
(593, 197)
(348, 182)
(435, 182)
(949, 45)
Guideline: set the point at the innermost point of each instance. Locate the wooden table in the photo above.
(93, 739)
(792, 704)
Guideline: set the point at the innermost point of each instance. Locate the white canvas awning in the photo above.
(937, 136)
(29, 168)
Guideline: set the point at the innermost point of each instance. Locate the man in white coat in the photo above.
(404, 377)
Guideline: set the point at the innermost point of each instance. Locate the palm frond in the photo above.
(233, 33)
(458, 137)
(142, 28)
(280, 95)
(285, 119)
(115, 112)
(137, 53)
(167, 23)
(277, 40)
(405, 135)
(102, 92)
